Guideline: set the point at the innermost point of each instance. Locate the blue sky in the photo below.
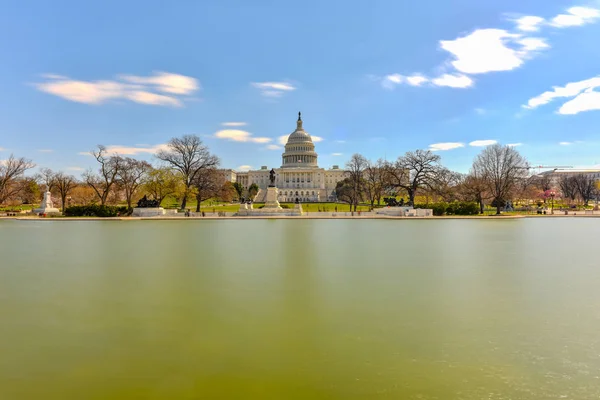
(377, 77)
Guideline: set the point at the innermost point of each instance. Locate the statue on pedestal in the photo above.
(146, 203)
(272, 177)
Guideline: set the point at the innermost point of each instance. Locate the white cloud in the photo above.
(576, 16)
(392, 80)
(233, 124)
(487, 50)
(244, 168)
(529, 23)
(565, 143)
(43, 150)
(237, 135)
(584, 97)
(493, 50)
(143, 97)
(75, 169)
(445, 146)
(138, 89)
(416, 80)
(586, 101)
(336, 154)
(273, 147)
(273, 89)
(514, 144)
(166, 82)
(282, 140)
(132, 150)
(453, 81)
(482, 143)
(316, 139)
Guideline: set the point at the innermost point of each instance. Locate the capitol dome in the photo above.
(299, 149)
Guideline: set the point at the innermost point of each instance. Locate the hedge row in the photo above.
(454, 208)
(95, 210)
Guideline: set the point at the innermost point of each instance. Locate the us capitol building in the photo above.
(299, 176)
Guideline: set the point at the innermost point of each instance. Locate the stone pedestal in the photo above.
(272, 208)
(47, 206)
(148, 212)
(271, 202)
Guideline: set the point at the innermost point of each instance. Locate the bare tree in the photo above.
(586, 187)
(10, 171)
(46, 178)
(131, 176)
(568, 187)
(355, 169)
(188, 156)
(103, 182)
(474, 188)
(373, 181)
(445, 184)
(207, 183)
(162, 182)
(413, 171)
(64, 184)
(501, 167)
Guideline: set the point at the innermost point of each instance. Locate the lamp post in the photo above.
(552, 194)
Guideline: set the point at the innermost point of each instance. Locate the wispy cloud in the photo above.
(273, 147)
(453, 81)
(445, 146)
(234, 124)
(75, 169)
(273, 89)
(340, 141)
(565, 143)
(480, 111)
(129, 150)
(529, 23)
(236, 135)
(337, 154)
(482, 143)
(316, 139)
(44, 150)
(584, 98)
(576, 16)
(160, 89)
(514, 144)
(244, 168)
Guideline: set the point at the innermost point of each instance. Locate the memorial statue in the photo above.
(144, 202)
(272, 177)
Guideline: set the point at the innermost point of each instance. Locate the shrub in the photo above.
(95, 210)
(454, 208)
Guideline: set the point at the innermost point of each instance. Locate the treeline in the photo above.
(184, 170)
(499, 175)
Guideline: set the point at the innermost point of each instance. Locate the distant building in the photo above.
(299, 176)
(555, 175)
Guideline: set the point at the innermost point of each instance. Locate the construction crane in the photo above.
(552, 167)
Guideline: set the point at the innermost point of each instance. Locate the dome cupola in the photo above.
(299, 149)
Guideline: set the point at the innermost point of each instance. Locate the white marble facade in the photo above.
(299, 176)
